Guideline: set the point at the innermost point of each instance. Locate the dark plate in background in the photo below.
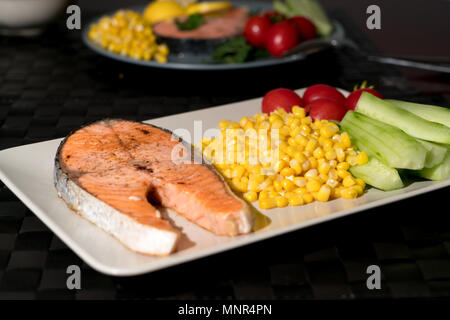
(197, 61)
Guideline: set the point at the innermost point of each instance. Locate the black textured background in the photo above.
(52, 84)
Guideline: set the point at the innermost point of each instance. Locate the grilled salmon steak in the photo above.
(115, 173)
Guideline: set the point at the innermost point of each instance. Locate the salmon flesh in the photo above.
(116, 173)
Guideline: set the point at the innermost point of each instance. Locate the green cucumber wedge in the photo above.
(425, 111)
(378, 175)
(389, 144)
(439, 172)
(436, 153)
(413, 125)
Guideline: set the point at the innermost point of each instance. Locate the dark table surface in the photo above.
(52, 84)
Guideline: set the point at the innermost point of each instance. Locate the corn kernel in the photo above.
(305, 129)
(318, 153)
(278, 185)
(243, 121)
(313, 185)
(287, 172)
(298, 112)
(273, 194)
(277, 124)
(274, 117)
(340, 154)
(358, 189)
(348, 181)
(308, 197)
(342, 173)
(290, 150)
(306, 120)
(238, 172)
(361, 182)
(301, 140)
(284, 131)
(313, 162)
(279, 165)
(336, 192)
(250, 196)
(324, 193)
(330, 154)
(349, 193)
(346, 140)
(291, 141)
(343, 166)
(324, 168)
(263, 195)
(293, 132)
(282, 201)
(329, 130)
(311, 145)
(362, 158)
(352, 160)
(299, 181)
(267, 203)
(294, 123)
(311, 173)
(327, 145)
(295, 164)
(332, 182)
(296, 200)
(288, 185)
(306, 165)
(298, 155)
(253, 185)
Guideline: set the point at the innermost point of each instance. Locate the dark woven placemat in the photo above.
(53, 84)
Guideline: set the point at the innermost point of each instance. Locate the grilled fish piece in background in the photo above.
(113, 172)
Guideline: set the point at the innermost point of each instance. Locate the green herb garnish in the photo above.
(237, 50)
(192, 22)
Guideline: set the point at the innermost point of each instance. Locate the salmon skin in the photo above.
(115, 173)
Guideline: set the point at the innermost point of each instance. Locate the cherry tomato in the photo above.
(326, 109)
(323, 91)
(274, 16)
(352, 99)
(256, 30)
(305, 28)
(281, 37)
(281, 98)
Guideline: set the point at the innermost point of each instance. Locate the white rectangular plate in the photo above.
(28, 172)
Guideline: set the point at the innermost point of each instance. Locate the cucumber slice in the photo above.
(389, 144)
(413, 125)
(436, 153)
(439, 172)
(378, 175)
(425, 111)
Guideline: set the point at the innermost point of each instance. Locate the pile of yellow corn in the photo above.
(128, 34)
(306, 161)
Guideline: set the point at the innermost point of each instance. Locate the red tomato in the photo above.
(326, 109)
(256, 30)
(281, 98)
(305, 28)
(282, 37)
(323, 91)
(352, 99)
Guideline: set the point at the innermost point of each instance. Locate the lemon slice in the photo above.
(206, 7)
(162, 10)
